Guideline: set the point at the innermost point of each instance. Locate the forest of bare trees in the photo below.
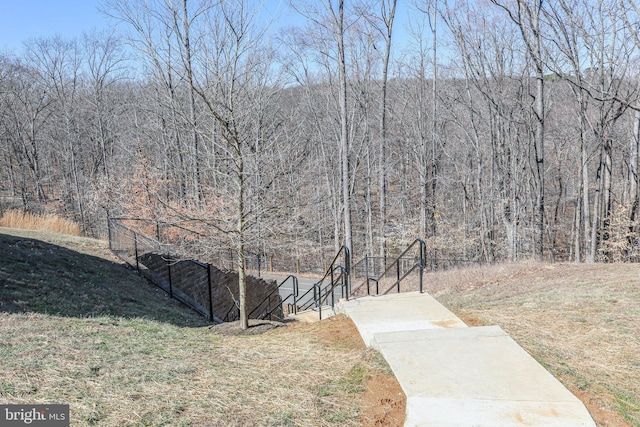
(494, 130)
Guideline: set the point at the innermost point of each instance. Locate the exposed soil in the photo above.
(384, 402)
(601, 410)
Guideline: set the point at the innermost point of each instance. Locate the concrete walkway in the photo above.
(454, 375)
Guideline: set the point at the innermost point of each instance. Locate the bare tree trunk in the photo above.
(368, 204)
(589, 243)
(434, 121)
(344, 129)
(539, 157)
(388, 18)
(597, 209)
(242, 264)
(526, 16)
(186, 41)
(633, 167)
(575, 229)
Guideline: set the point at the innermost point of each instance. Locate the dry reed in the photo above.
(30, 221)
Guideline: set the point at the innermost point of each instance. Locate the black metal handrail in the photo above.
(341, 280)
(421, 263)
(347, 262)
(309, 302)
(131, 247)
(396, 284)
(276, 291)
(233, 313)
(328, 290)
(234, 307)
(320, 292)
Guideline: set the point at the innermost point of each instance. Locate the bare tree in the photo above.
(383, 23)
(491, 65)
(105, 68)
(526, 15)
(227, 66)
(329, 16)
(26, 111)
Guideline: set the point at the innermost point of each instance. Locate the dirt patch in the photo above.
(600, 409)
(471, 320)
(383, 403)
(340, 329)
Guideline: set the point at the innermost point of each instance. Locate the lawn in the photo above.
(78, 328)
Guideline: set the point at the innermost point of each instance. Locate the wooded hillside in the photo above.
(504, 129)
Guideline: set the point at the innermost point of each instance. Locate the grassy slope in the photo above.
(76, 277)
(78, 328)
(580, 321)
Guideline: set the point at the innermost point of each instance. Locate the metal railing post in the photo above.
(423, 262)
(333, 295)
(398, 273)
(170, 281)
(316, 295)
(295, 295)
(331, 282)
(316, 292)
(345, 288)
(347, 266)
(135, 243)
(210, 293)
(366, 270)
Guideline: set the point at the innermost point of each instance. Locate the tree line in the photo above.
(495, 130)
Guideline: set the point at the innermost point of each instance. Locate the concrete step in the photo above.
(313, 315)
(397, 312)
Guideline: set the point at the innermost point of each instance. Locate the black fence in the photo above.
(186, 280)
(203, 287)
(257, 260)
(374, 266)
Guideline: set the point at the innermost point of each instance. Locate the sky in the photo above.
(21, 20)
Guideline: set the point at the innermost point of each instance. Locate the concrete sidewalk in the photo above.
(454, 375)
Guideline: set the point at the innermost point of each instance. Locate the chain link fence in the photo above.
(202, 287)
(374, 266)
(187, 281)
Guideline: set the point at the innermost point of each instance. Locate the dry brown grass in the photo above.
(131, 372)
(78, 329)
(580, 321)
(29, 221)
